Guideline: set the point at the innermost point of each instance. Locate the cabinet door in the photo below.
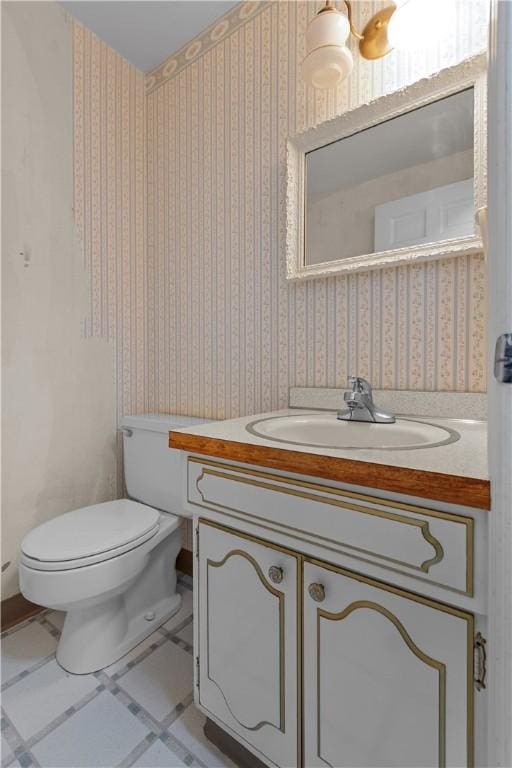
(387, 675)
(248, 640)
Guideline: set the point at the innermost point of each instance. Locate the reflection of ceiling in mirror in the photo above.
(431, 132)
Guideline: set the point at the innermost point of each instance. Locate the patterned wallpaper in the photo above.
(110, 205)
(180, 206)
(227, 335)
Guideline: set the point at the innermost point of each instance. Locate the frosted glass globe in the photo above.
(419, 24)
(327, 28)
(326, 67)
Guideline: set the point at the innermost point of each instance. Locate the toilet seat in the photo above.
(90, 535)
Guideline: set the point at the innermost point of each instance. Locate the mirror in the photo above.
(403, 185)
(407, 181)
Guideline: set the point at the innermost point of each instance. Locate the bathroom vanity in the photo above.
(341, 595)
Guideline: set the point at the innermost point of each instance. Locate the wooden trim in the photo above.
(453, 489)
(184, 562)
(16, 609)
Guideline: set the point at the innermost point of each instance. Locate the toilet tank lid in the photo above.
(160, 422)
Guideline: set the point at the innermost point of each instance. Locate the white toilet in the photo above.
(111, 566)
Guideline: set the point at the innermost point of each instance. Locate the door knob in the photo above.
(275, 574)
(317, 592)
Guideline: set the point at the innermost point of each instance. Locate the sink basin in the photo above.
(324, 430)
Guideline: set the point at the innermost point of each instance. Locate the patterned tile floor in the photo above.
(137, 712)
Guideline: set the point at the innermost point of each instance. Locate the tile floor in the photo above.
(137, 712)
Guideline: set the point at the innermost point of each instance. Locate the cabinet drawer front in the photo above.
(434, 546)
(406, 663)
(248, 640)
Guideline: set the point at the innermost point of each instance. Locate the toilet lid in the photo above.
(91, 531)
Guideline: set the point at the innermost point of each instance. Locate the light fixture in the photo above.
(409, 25)
(328, 60)
(415, 24)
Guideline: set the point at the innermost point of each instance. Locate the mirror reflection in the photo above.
(405, 182)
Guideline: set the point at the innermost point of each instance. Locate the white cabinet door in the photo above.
(387, 675)
(248, 640)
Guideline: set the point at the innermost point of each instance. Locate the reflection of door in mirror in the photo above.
(404, 182)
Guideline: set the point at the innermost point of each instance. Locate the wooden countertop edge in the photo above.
(436, 486)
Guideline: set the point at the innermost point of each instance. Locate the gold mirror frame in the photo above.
(469, 73)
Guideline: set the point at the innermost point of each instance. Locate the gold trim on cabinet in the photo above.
(433, 663)
(422, 525)
(334, 491)
(280, 596)
(299, 560)
(424, 567)
(468, 617)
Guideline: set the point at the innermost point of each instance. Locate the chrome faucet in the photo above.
(360, 404)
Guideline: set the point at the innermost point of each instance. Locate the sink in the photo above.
(324, 430)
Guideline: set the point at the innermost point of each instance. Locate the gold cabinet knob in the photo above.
(275, 574)
(317, 592)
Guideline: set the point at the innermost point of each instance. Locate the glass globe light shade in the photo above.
(328, 61)
(326, 67)
(419, 24)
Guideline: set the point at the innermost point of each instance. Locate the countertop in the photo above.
(456, 473)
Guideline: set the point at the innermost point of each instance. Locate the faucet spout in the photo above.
(360, 405)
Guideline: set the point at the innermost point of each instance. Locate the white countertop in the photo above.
(466, 457)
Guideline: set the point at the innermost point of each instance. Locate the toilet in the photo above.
(112, 566)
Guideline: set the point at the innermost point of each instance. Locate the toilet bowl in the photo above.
(111, 566)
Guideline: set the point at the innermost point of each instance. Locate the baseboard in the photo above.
(16, 609)
(184, 563)
(230, 746)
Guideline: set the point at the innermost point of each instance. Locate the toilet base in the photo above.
(95, 637)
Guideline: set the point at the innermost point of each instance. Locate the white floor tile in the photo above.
(187, 633)
(158, 756)
(161, 681)
(24, 648)
(44, 695)
(188, 729)
(133, 654)
(5, 750)
(184, 612)
(101, 734)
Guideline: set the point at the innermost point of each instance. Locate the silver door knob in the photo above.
(317, 592)
(275, 574)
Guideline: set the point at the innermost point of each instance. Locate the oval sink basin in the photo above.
(324, 430)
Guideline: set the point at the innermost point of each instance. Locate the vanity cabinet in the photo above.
(387, 675)
(300, 657)
(248, 633)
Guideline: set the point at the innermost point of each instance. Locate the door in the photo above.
(387, 675)
(427, 217)
(248, 640)
(499, 392)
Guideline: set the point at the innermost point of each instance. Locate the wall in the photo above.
(110, 205)
(230, 334)
(72, 310)
(342, 224)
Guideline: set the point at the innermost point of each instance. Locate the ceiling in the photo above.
(146, 32)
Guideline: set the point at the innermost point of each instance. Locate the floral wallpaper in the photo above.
(180, 187)
(110, 204)
(228, 334)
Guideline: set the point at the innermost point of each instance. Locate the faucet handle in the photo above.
(360, 385)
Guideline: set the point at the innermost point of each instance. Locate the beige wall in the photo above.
(342, 224)
(231, 334)
(63, 371)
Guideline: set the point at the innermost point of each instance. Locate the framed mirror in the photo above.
(394, 181)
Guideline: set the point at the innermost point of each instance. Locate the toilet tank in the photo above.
(152, 470)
